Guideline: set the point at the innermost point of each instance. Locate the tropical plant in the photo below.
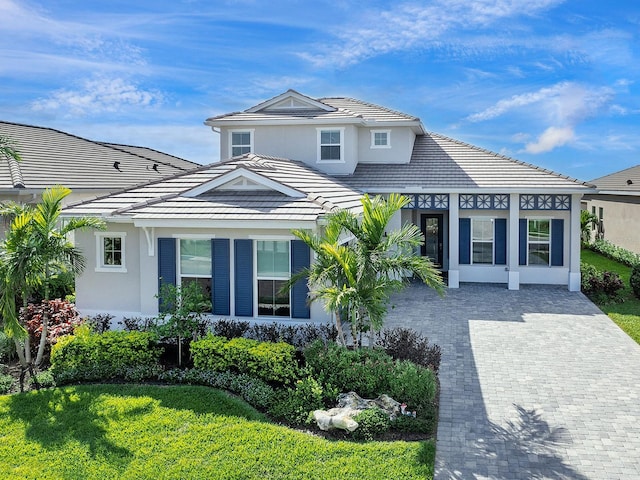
(35, 248)
(588, 222)
(355, 279)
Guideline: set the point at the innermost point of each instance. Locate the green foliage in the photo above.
(61, 284)
(252, 390)
(293, 405)
(372, 423)
(616, 253)
(99, 323)
(598, 285)
(372, 372)
(265, 360)
(45, 379)
(6, 382)
(634, 280)
(91, 356)
(7, 347)
(588, 222)
(187, 432)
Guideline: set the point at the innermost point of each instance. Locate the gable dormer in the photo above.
(291, 100)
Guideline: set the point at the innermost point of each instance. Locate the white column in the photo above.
(513, 250)
(574, 244)
(454, 241)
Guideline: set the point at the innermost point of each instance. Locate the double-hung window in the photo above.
(482, 232)
(110, 252)
(195, 263)
(330, 145)
(538, 241)
(241, 142)
(273, 271)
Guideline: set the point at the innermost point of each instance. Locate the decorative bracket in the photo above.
(149, 232)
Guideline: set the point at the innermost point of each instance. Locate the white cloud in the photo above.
(98, 96)
(551, 138)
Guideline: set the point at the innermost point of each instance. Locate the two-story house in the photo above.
(291, 160)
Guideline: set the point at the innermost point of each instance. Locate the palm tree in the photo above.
(588, 222)
(36, 247)
(358, 278)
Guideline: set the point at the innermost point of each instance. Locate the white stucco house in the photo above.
(292, 159)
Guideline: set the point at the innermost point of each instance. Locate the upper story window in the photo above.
(330, 145)
(240, 142)
(539, 241)
(380, 138)
(110, 252)
(482, 240)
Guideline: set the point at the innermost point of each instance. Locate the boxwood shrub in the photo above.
(271, 362)
(85, 355)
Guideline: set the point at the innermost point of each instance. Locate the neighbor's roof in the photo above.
(52, 157)
(292, 106)
(439, 163)
(171, 199)
(627, 180)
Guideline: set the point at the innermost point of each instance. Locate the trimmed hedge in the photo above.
(90, 356)
(634, 280)
(616, 253)
(271, 362)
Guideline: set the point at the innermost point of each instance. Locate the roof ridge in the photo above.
(381, 107)
(146, 203)
(511, 159)
(16, 173)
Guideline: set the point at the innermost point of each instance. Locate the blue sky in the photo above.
(548, 82)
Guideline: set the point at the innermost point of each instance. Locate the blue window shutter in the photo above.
(243, 259)
(465, 241)
(557, 242)
(166, 263)
(500, 239)
(300, 258)
(220, 283)
(523, 242)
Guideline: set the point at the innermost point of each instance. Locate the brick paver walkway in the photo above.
(535, 384)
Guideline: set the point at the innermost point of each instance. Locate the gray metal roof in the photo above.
(441, 163)
(627, 180)
(342, 109)
(170, 198)
(53, 157)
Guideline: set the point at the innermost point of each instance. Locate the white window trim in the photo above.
(255, 274)
(539, 243)
(179, 273)
(100, 267)
(493, 241)
(319, 131)
(251, 132)
(373, 139)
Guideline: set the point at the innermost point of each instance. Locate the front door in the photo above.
(431, 226)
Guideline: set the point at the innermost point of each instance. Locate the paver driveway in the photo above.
(536, 383)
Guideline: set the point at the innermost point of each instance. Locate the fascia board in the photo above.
(557, 191)
(227, 224)
(249, 175)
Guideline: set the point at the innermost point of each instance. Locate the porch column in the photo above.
(454, 241)
(514, 234)
(574, 244)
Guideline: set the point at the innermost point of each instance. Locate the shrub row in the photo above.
(90, 356)
(265, 360)
(616, 253)
(599, 285)
(407, 344)
(634, 280)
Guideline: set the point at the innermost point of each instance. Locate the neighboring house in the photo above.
(617, 206)
(486, 217)
(88, 168)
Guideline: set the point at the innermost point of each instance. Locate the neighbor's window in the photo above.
(482, 240)
(110, 252)
(380, 138)
(195, 263)
(241, 142)
(273, 271)
(538, 237)
(330, 145)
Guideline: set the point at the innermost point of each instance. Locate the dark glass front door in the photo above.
(431, 226)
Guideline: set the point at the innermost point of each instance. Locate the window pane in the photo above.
(195, 257)
(235, 151)
(330, 137)
(273, 258)
(483, 229)
(241, 138)
(483, 252)
(330, 153)
(380, 138)
(112, 251)
(539, 230)
(538, 254)
(270, 302)
(205, 284)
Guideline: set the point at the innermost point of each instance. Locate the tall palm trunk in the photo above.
(341, 338)
(45, 322)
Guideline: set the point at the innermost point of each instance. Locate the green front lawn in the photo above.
(625, 314)
(155, 432)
